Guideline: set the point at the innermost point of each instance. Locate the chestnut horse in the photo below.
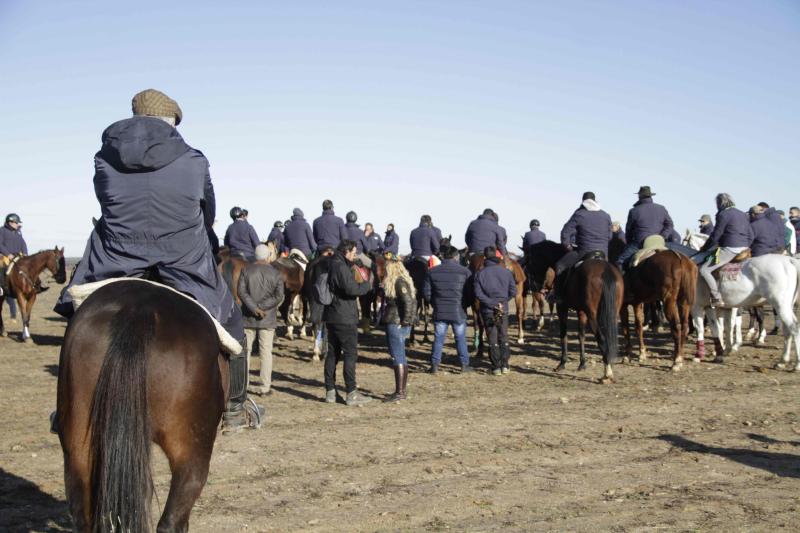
(669, 277)
(139, 363)
(511, 264)
(24, 285)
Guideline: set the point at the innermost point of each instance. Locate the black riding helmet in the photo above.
(13, 217)
(278, 224)
(237, 212)
(351, 216)
(534, 223)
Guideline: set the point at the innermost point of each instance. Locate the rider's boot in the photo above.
(235, 416)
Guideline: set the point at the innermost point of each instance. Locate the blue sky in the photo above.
(395, 109)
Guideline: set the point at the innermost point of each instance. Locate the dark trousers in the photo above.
(497, 332)
(342, 344)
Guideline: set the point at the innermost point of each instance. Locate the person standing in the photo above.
(341, 322)
(494, 287)
(11, 243)
(297, 234)
(447, 289)
(261, 291)
(399, 315)
(240, 237)
(391, 242)
(645, 218)
(329, 229)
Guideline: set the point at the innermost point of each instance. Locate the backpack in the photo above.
(321, 290)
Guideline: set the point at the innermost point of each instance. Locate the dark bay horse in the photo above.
(24, 284)
(418, 270)
(668, 277)
(293, 308)
(370, 303)
(139, 363)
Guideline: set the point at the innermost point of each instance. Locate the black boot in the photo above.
(505, 356)
(404, 383)
(235, 416)
(397, 395)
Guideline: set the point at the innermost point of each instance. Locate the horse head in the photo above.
(56, 264)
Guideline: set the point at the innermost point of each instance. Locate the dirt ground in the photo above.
(713, 448)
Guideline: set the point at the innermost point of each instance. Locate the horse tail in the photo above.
(607, 319)
(688, 285)
(121, 479)
(796, 264)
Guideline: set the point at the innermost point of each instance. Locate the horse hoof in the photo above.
(779, 366)
(626, 360)
(718, 360)
(677, 368)
(27, 340)
(560, 367)
(315, 359)
(581, 367)
(697, 359)
(3, 333)
(606, 381)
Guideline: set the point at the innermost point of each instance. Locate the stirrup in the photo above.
(253, 413)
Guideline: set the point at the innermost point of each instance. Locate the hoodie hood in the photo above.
(141, 144)
(590, 205)
(297, 212)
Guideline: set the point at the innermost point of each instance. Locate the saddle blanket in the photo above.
(730, 272)
(79, 294)
(298, 257)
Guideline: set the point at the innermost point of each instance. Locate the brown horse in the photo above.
(24, 284)
(139, 363)
(418, 270)
(512, 264)
(293, 308)
(668, 277)
(595, 289)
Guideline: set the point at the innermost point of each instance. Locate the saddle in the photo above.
(651, 245)
(80, 293)
(595, 254)
(298, 257)
(742, 256)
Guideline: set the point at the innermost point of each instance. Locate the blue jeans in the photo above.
(439, 333)
(396, 336)
(627, 253)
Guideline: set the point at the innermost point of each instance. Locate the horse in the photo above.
(293, 308)
(476, 263)
(369, 303)
(418, 270)
(771, 278)
(668, 277)
(139, 363)
(24, 284)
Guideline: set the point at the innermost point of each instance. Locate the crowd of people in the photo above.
(177, 194)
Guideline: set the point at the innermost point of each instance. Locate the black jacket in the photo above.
(260, 287)
(494, 285)
(344, 308)
(402, 309)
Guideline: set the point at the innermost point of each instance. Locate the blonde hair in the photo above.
(396, 271)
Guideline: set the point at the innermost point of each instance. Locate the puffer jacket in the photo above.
(260, 287)
(589, 229)
(346, 290)
(447, 288)
(494, 284)
(402, 309)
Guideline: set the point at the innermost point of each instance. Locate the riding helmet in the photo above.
(13, 217)
(534, 223)
(351, 216)
(237, 212)
(278, 224)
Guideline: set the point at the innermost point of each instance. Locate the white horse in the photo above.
(772, 279)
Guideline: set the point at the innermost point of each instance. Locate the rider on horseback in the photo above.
(732, 234)
(356, 234)
(276, 237)
(768, 230)
(391, 242)
(644, 219)
(11, 244)
(484, 232)
(423, 240)
(534, 236)
(589, 229)
(158, 202)
(241, 238)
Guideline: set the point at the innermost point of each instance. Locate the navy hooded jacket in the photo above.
(374, 243)
(647, 218)
(707, 229)
(276, 236)
(391, 242)
(423, 241)
(297, 234)
(329, 229)
(494, 284)
(156, 197)
(483, 232)
(589, 228)
(445, 287)
(356, 234)
(768, 234)
(11, 241)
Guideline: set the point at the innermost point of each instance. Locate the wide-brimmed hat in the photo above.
(644, 190)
